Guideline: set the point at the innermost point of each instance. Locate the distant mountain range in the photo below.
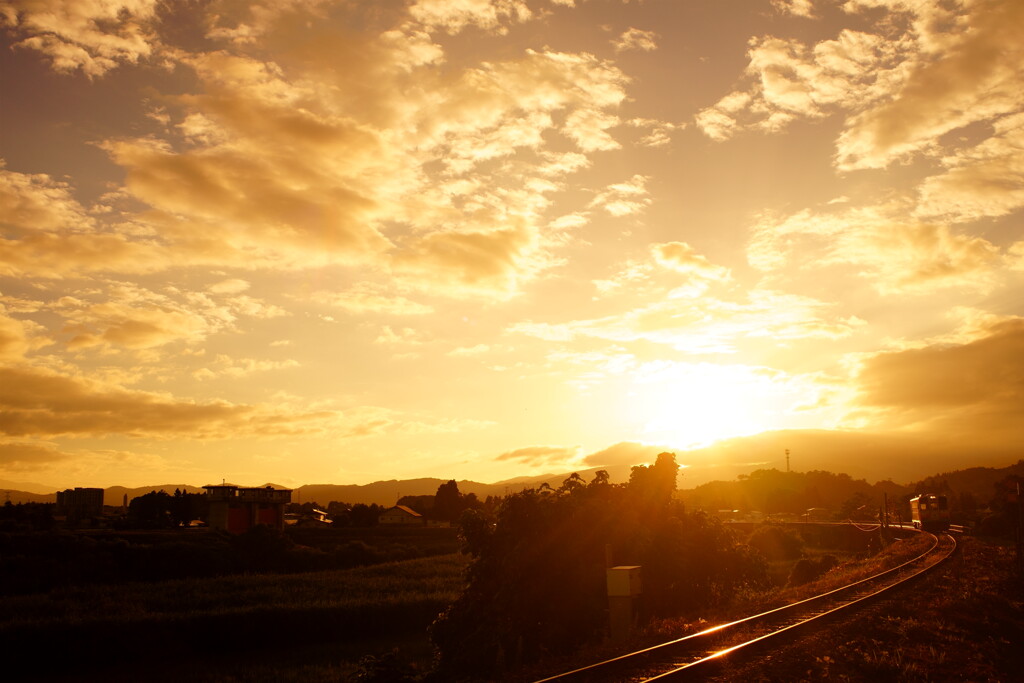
(870, 456)
(903, 458)
(978, 481)
(379, 492)
(25, 486)
(115, 495)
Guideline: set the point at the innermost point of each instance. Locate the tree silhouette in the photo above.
(447, 502)
(152, 510)
(652, 486)
(536, 584)
(571, 483)
(601, 478)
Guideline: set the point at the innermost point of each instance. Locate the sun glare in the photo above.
(694, 405)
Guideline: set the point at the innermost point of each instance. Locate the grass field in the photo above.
(230, 628)
(37, 562)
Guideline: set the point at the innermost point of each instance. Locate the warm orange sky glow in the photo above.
(335, 242)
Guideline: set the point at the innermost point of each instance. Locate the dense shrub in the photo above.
(776, 542)
(385, 668)
(26, 517)
(807, 570)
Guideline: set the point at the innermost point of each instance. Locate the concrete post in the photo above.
(624, 589)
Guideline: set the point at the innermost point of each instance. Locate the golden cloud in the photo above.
(371, 421)
(354, 152)
(541, 455)
(800, 8)
(946, 67)
(895, 254)
(706, 325)
(250, 199)
(622, 199)
(682, 258)
(18, 337)
(467, 263)
(976, 387)
(971, 74)
(233, 286)
(91, 35)
(787, 79)
(366, 297)
(51, 255)
(29, 455)
(226, 366)
(667, 261)
(126, 315)
(658, 133)
(273, 169)
(625, 454)
(45, 404)
(981, 181)
(36, 202)
(636, 39)
(454, 15)
(41, 403)
(53, 236)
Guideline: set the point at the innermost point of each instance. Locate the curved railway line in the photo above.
(698, 654)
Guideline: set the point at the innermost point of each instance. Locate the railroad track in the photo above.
(698, 654)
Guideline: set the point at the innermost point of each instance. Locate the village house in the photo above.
(400, 515)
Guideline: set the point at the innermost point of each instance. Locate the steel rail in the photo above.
(601, 670)
(688, 669)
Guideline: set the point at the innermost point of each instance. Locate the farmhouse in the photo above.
(400, 514)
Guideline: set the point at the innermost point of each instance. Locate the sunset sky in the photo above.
(303, 241)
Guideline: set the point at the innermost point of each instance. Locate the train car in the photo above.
(930, 512)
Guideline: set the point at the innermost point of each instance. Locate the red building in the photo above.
(237, 509)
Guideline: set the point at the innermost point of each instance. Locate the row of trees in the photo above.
(773, 492)
(536, 584)
(448, 504)
(154, 510)
(161, 510)
(339, 513)
(972, 493)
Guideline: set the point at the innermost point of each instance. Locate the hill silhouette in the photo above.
(976, 481)
(876, 461)
(874, 457)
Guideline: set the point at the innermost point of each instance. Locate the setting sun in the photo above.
(695, 405)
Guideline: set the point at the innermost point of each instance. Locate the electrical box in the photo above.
(624, 581)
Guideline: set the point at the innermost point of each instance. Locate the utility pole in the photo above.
(1020, 533)
(787, 460)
